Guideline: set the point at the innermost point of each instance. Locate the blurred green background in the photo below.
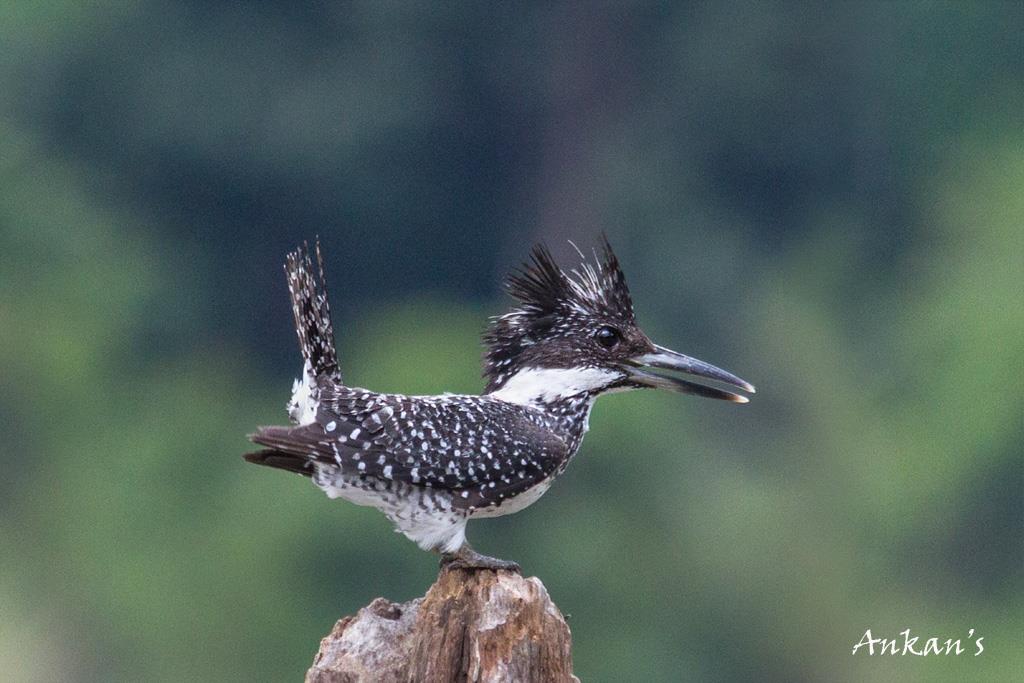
(827, 200)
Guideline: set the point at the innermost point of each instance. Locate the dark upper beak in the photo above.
(670, 360)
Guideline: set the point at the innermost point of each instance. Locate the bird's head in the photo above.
(574, 334)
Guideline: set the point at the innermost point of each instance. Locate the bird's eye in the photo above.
(607, 336)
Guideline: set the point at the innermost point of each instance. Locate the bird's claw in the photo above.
(469, 559)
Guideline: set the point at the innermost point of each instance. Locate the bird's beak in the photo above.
(670, 360)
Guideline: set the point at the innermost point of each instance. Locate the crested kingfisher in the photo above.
(432, 463)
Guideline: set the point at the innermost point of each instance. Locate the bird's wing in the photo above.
(482, 450)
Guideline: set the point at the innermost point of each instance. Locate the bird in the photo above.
(433, 463)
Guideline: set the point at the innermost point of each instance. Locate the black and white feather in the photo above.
(430, 463)
(311, 309)
(555, 315)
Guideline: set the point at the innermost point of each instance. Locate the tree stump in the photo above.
(472, 625)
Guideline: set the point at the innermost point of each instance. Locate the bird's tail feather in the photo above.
(294, 440)
(282, 461)
(312, 311)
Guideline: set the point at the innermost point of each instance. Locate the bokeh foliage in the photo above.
(826, 199)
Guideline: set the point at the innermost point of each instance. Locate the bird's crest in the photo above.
(542, 288)
(549, 297)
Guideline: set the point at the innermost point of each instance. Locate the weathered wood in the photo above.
(472, 625)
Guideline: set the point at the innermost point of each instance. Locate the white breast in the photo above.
(520, 502)
(425, 516)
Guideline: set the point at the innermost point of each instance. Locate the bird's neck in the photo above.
(570, 419)
(564, 396)
(538, 387)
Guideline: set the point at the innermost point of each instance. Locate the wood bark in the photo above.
(472, 625)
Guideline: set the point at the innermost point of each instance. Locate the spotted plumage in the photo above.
(431, 463)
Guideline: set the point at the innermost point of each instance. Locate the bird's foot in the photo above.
(467, 558)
